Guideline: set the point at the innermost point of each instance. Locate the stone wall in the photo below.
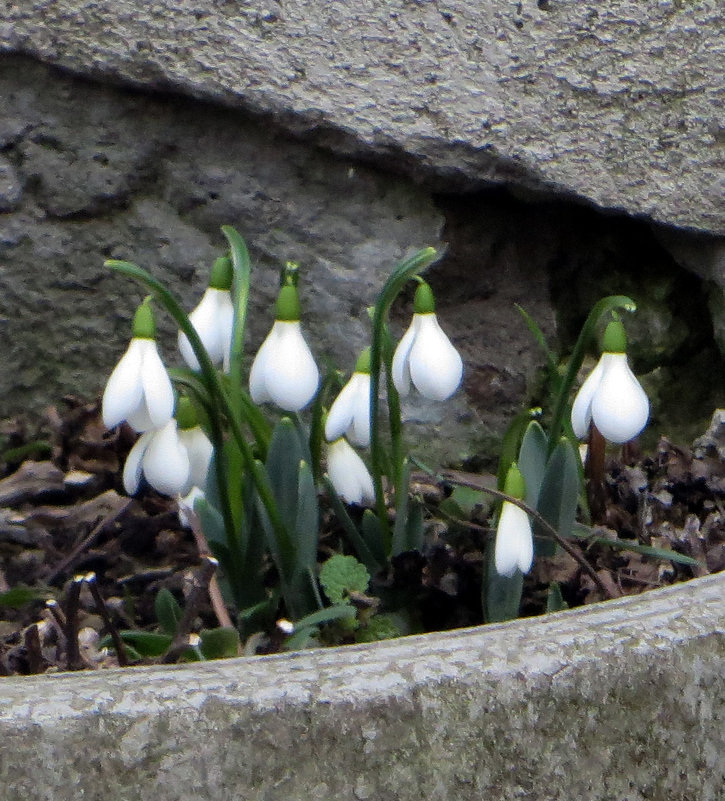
(345, 137)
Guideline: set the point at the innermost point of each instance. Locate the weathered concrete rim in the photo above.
(663, 620)
(620, 700)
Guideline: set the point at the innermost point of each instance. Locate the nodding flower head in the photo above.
(139, 389)
(611, 397)
(425, 355)
(348, 473)
(514, 549)
(349, 415)
(173, 459)
(284, 371)
(213, 319)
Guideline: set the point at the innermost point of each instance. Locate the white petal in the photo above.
(186, 505)
(140, 420)
(359, 433)
(132, 469)
(158, 391)
(401, 365)
(212, 323)
(257, 375)
(620, 408)
(290, 373)
(341, 416)
(435, 365)
(581, 410)
(166, 462)
(514, 547)
(348, 473)
(124, 391)
(199, 450)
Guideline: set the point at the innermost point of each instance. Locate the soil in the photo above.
(64, 516)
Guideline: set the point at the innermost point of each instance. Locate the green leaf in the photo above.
(555, 600)
(168, 612)
(326, 615)
(212, 522)
(648, 550)
(379, 627)
(502, 595)
(467, 500)
(538, 335)
(147, 643)
(19, 596)
(364, 553)
(340, 575)
(373, 534)
(558, 497)
(511, 442)
(219, 643)
(532, 460)
(283, 465)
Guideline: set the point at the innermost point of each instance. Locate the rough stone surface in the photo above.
(623, 700)
(615, 103)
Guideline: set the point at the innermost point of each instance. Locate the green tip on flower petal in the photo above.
(362, 365)
(515, 485)
(221, 273)
(288, 305)
(424, 302)
(144, 325)
(186, 416)
(615, 338)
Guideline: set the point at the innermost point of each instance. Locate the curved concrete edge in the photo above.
(621, 700)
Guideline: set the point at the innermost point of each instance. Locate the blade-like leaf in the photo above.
(373, 535)
(364, 554)
(532, 460)
(168, 612)
(558, 497)
(555, 600)
(502, 595)
(219, 643)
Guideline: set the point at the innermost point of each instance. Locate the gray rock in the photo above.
(10, 189)
(620, 700)
(616, 104)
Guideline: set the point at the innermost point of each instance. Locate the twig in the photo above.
(199, 589)
(215, 594)
(550, 530)
(33, 649)
(87, 542)
(118, 644)
(73, 654)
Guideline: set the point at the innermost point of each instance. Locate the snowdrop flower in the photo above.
(173, 458)
(349, 415)
(283, 370)
(213, 319)
(514, 549)
(139, 389)
(425, 355)
(611, 396)
(186, 505)
(348, 473)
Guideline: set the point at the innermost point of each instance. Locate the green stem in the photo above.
(403, 272)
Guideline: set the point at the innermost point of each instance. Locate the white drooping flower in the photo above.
(611, 396)
(514, 548)
(349, 415)
(213, 319)
(284, 371)
(349, 475)
(425, 355)
(173, 459)
(139, 389)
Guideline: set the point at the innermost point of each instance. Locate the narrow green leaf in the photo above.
(373, 535)
(554, 599)
(511, 442)
(362, 550)
(647, 550)
(326, 615)
(147, 643)
(532, 460)
(282, 466)
(168, 612)
(219, 643)
(558, 497)
(17, 597)
(502, 595)
(552, 361)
